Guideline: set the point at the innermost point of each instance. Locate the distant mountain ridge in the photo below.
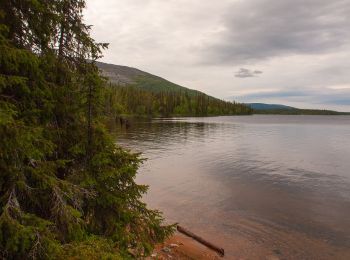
(263, 106)
(125, 76)
(120, 75)
(135, 92)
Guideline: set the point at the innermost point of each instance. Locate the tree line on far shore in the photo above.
(133, 100)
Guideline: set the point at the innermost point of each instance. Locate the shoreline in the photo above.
(180, 246)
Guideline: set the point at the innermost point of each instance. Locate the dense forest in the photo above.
(66, 189)
(138, 93)
(133, 100)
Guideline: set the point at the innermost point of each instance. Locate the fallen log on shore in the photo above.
(217, 249)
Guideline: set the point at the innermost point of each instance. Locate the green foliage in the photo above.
(134, 100)
(66, 190)
(94, 248)
(157, 84)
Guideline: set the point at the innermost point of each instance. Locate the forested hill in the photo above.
(126, 76)
(135, 92)
(263, 106)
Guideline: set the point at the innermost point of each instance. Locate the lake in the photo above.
(262, 186)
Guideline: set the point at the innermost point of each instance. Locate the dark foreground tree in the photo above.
(66, 189)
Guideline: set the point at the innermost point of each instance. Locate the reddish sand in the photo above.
(180, 246)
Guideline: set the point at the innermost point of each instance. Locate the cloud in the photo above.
(277, 94)
(301, 46)
(257, 30)
(247, 73)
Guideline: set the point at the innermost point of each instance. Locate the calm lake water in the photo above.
(262, 187)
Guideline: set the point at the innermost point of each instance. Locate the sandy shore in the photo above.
(180, 246)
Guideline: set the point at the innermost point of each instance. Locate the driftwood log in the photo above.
(217, 249)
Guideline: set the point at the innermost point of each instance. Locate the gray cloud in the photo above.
(261, 29)
(301, 46)
(247, 73)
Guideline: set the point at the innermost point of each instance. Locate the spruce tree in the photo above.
(66, 189)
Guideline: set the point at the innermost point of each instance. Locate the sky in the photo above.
(292, 52)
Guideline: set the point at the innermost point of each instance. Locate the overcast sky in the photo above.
(293, 52)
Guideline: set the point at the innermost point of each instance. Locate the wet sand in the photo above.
(180, 246)
(276, 246)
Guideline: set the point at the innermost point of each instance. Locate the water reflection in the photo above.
(260, 185)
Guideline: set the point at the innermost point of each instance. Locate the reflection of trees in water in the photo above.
(249, 171)
(166, 132)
